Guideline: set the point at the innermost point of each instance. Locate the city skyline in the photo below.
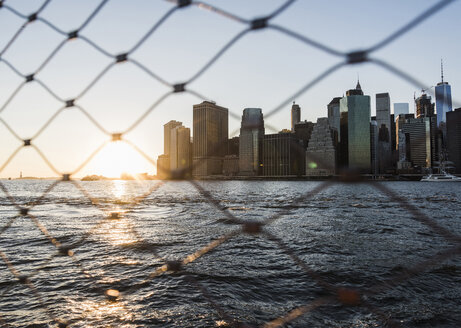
(268, 79)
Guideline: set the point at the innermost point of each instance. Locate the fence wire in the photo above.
(334, 294)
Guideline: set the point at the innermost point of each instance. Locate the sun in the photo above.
(118, 158)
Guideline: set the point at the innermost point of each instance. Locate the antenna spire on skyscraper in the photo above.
(441, 68)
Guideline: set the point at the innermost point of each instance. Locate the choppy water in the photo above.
(350, 235)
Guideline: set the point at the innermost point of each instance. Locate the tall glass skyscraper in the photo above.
(355, 118)
(250, 144)
(442, 100)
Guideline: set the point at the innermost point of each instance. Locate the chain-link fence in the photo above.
(331, 293)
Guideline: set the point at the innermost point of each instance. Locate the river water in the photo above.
(349, 235)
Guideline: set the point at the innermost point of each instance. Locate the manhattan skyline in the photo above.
(261, 70)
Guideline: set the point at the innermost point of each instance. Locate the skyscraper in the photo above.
(180, 152)
(250, 143)
(424, 106)
(167, 134)
(355, 130)
(442, 99)
(333, 114)
(454, 138)
(420, 137)
(401, 108)
(210, 134)
(383, 123)
(295, 115)
(282, 155)
(321, 152)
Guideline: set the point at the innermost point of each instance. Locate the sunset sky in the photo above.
(262, 69)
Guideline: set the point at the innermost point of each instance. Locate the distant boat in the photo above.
(443, 176)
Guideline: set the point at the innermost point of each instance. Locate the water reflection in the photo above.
(110, 312)
(119, 188)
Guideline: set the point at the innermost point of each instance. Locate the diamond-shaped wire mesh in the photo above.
(181, 266)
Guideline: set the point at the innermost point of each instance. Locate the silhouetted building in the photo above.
(355, 130)
(383, 123)
(374, 149)
(163, 167)
(303, 132)
(334, 114)
(424, 106)
(233, 146)
(454, 138)
(250, 144)
(401, 108)
(180, 152)
(231, 165)
(321, 152)
(420, 136)
(167, 134)
(295, 115)
(210, 134)
(282, 155)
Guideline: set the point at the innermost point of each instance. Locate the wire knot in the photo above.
(179, 87)
(70, 103)
(174, 266)
(29, 78)
(356, 57)
(24, 211)
(184, 3)
(72, 35)
(32, 17)
(116, 136)
(66, 177)
(121, 58)
(259, 23)
(27, 142)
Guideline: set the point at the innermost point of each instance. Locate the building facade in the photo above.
(180, 152)
(420, 139)
(334, 114)
(321, 152)
(282, 155)
(295, 115)
(210, 135)
(355, 130)
(424, 106)
(167, 135)
(250, 142)
(384, 142)
(454, 138)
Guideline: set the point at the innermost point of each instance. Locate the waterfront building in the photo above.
(442, 99)
(393, 142)
(233, 146)
(454, 138)
(163, 167)
(282, 155)
(383, 122)
(420, 136)
(334, 114)
(321, 151)
(295, 115)
(374, 147)
(250, 143)
(180, 152)
(401, 108)
(210, 135)
(230, 165)
(354, 137)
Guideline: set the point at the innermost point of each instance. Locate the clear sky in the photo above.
(262, 69)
